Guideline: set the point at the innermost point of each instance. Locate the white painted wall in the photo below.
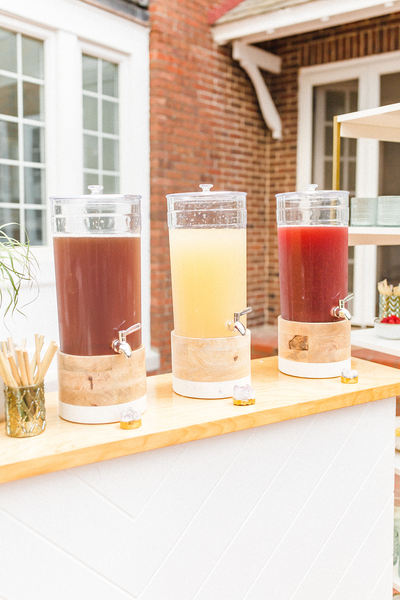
(298, 510)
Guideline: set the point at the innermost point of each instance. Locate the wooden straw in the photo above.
(4, 348)
(14, 368)
(35, 362)
(21, 364)
(45, 364)
(27, 366)
(11, 346)
(6, 372)
(23, 345)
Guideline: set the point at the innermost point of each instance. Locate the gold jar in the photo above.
(25, 410)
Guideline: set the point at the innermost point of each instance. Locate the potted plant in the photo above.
(17, 265)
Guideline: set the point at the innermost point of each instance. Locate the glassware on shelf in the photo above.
(388, 214)
(363, 212)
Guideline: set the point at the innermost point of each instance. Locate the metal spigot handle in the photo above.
(245, 311)
(123, 333)
(343, 302)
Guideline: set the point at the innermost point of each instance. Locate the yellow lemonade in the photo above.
(208, 268)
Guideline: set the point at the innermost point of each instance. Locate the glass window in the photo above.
(100, 123)
(22, 160)
(330, 101)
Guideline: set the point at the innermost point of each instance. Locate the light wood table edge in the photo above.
(142, 439)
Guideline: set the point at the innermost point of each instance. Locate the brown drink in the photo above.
(98, 292)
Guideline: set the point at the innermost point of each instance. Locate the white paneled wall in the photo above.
(298, 510)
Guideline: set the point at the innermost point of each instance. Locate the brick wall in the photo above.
(365, 38)
(205, 127)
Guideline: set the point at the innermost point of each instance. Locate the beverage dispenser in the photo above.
(101, 362)
(314, 326)
(210, 342)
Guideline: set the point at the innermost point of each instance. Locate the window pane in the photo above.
(110, 117)
(9, 186)
(352, 147)
(35, 225)
(328, 140)
(110, 155)
(352, 175)
(335, 104)
(33, 100)
(89, 73)
(90, 152)
(32, 57)
(34, 185)
(8, 51)
(90, 179)
(328, 175)
(11, 215)
(110, 79)
(90, 113)
(33, 143)
(100, 116)
(111, 184)
(8, 140)
(8, 96)
(353, 101)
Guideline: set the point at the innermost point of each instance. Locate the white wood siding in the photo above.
(298, 510)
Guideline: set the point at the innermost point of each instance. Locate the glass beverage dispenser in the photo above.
(314, 326)
(210, 342)
(101, 362)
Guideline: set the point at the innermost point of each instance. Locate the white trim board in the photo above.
(302, 18)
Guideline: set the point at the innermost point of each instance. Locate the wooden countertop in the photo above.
(172, 419)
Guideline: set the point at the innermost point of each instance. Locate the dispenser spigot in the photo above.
(121, 346)
(340, 312)
(236, 324)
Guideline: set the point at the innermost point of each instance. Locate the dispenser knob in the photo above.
(95, 189)
(236, 324)
(120, 345)
(340, 312)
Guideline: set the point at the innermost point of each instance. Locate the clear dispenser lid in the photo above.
(207, 209)
(96, 214)
(313, 207)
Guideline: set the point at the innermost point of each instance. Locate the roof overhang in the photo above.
(302, 18)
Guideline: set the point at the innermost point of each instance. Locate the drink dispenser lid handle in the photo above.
(95, 189)
(311, 187)
(206, 187)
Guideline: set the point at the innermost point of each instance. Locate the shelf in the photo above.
(367, 338)
(375, 236)
(381, 123)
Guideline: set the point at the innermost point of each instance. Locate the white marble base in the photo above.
(207, 389)
(313, 370)
(99, 414)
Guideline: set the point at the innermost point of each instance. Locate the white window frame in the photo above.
(367, 70)
(69, 28)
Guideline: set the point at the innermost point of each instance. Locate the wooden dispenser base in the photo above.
(96, 389)
(313, 350)
(209, 367)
